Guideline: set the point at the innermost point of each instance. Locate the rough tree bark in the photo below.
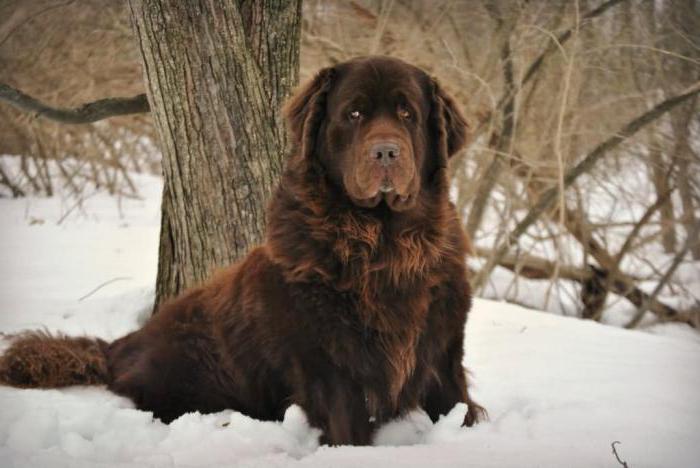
(216, 73)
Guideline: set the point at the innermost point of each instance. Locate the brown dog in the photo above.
(355, 306)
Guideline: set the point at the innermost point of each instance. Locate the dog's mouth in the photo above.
(386, 186)
(389, 195)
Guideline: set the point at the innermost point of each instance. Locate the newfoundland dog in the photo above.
(354, 307)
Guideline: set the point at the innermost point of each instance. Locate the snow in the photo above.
(559, 390)
(49, 261)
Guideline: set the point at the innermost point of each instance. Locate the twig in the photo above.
(614, 451)
(87, 113)
(113, 280)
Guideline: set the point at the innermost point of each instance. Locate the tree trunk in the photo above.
(660, 177)
(217, 73)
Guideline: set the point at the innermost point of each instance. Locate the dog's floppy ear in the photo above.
(449, 126)
(305, 110)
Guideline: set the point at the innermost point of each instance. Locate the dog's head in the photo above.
(379, 127)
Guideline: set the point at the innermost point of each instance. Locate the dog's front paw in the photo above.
(475, 414)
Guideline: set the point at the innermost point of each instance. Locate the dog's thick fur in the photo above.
(354, 308)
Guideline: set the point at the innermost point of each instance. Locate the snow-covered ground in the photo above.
(559, 390)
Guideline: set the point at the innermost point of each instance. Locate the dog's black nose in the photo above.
(385, 152)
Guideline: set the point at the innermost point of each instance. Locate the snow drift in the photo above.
(559, 390)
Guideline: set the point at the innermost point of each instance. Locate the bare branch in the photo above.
(87, 113)
(660, 200)
(546, 200)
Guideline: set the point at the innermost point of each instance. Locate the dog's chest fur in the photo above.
(373, 335)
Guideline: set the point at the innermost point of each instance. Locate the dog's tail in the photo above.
(40, 360)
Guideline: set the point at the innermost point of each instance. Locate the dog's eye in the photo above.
(404, 114)
(354, 115)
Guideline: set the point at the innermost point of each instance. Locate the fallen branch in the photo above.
(532, 267)
(622, 284)
(113, 280)
(547, 199)
(87, 113)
